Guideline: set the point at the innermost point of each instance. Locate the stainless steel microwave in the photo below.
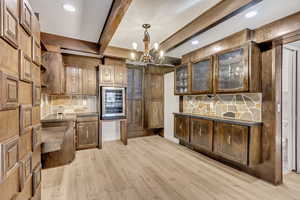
(113, 103)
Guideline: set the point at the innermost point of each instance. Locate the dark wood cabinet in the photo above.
(89, 81)
(9, 150)
(10, 21)
(182, 128)
(238, 70)
(87, 135)
(231, 142)
(202, 134)
(81, 81)
(73, 80)
(202, 76)
(182, 79)
(54, 76)
(9, 86)
(135, 101)
(106, 75)
(154, 100)
(25, 67)
(26, 15)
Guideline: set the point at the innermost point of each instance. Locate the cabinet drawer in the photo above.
(25, 118)
(10, 22)
(231, 142)
(202, 134)
(36, 74)
(9, 156)
(9, 86)
(36, 95)
(181, 128)
(36, 178)
(36, 137)
(25, 67)
(26, 16)
(25, 170)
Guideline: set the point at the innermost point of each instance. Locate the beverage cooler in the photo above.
(113, 103)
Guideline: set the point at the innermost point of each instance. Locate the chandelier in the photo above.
(149, 55)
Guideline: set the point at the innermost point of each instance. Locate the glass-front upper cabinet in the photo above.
(202, 76)
(232, 70)
(181, 79)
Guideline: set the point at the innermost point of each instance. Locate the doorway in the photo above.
(290, 108)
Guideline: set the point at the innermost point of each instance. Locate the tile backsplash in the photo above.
(67, 104)
(245, 106)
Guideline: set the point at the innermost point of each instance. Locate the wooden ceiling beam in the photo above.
(69, 43)
(118, 10)
(210, 18)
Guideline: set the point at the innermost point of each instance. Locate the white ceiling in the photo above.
(86, 23)
(165, 16)
(268, 11)
(295, 44)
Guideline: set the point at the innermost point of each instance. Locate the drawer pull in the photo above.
(229, 140)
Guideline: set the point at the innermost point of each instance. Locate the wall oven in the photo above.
(113, 103)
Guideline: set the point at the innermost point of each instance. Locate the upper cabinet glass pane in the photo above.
(182, 79)
(231, 70)
(201, 76)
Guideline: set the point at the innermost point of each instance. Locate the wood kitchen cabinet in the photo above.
(89, 81)
(182, 128)
(73, 80)
(231, 142)
(106, 75)
(202, 134)
(26, 15)
(135, 101)
(182, 79)
(81, 81)
(154, 100)
(113, 73)
(238, 70)
(120, 76)
(10, 21)
(87, 134)
(54, 76)
(202, 76)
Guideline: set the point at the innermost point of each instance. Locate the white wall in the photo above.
(171, 104)
(110, 131)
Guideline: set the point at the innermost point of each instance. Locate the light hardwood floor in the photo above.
(154, 168)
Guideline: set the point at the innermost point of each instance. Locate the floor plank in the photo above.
(153, 168)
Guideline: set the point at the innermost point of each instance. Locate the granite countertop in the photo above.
(66, 117)
(219, 119)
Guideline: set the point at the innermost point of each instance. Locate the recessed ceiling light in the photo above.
(69, 8)
(134, 45)
(251, 14)
(195, 42)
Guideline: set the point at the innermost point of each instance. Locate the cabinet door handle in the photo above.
(200, 131)
(87, 133)
(229, 139)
